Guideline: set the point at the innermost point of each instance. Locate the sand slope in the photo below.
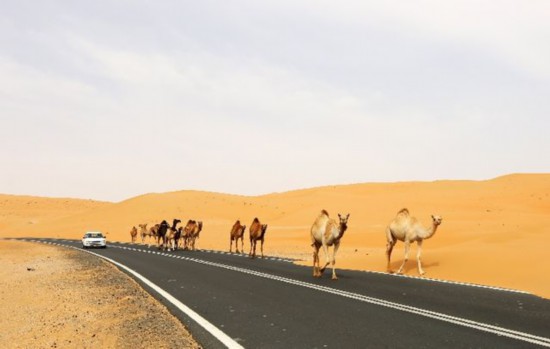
(494, 232)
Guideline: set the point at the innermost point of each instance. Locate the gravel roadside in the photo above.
(52, 297)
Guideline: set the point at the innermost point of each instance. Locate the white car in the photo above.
(94, 239)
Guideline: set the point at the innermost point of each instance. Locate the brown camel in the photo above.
(161, 234)
(326, 232)
(195, 234)
(407, 229)
(133, 233)
(237, 232)
(257, 232)
(187, 233)
(170, 237)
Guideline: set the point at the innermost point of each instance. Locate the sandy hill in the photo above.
(494, 232)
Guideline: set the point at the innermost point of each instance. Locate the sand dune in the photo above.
(494, 232)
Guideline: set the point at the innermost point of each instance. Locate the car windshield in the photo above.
(94, 235)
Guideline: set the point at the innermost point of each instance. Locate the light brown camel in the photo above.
(237, 232)
(407, 229)
(257, 232)
(327, 232)
(133, 233)
(142, 231)
(195, 234)
(152, 233)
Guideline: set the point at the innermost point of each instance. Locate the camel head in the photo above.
(343, 220)
(436, 220)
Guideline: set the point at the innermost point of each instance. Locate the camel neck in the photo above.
(343, 228)
(430, 231)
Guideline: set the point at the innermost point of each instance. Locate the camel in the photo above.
(177, 237)
(152, 233)
(187, 233)
(195, 234)
(170, 237)
(133, 234)
(237, 232)
(142, 231)
(407, 229)
(257, 232)
(161, 234)
(327, 232)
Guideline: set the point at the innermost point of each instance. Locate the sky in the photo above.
(107, 100)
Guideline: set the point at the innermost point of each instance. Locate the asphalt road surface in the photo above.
(272, 303)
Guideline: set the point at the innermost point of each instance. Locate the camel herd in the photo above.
(325, 232)
(170, 237)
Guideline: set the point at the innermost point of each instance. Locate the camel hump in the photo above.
(403, 211)
(256, 220)
(324, 212)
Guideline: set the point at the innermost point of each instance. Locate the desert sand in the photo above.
(493, 232)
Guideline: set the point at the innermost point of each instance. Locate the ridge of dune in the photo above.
(493, 231)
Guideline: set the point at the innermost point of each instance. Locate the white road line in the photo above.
(447, 282)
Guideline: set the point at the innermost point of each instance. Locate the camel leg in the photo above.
(316, 271)
(334, 277)
(325, 248)
(389, 248)
(262, 248)
(418, 258)
(231, 246)
(242, 245)
(252, 253)
(406, 258)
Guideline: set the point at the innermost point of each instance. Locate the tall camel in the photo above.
(133, 233)
(257, 232)
(237, 232)
(407, 229)
(326, 232)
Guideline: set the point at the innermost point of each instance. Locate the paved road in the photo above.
(272, 303)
